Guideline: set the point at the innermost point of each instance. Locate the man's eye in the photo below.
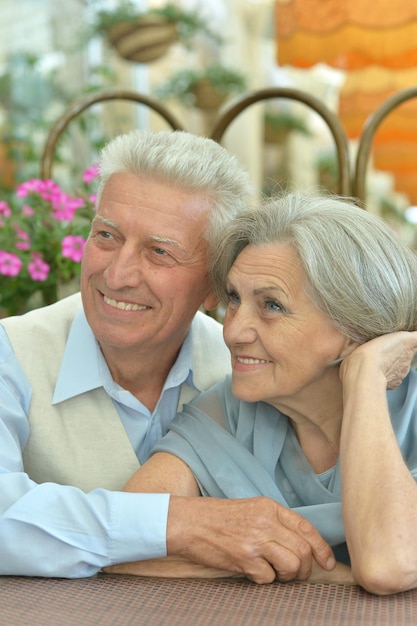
(160, 256)
(101, 234)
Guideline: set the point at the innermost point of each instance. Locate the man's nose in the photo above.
(126, 269)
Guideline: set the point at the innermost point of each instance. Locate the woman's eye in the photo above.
(272, 306)
(232, 297)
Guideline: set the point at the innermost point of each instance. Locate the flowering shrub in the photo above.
(42, 236)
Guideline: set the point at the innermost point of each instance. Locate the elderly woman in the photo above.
(320, 413)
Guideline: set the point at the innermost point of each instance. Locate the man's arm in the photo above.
(254, 537)
(57, 530)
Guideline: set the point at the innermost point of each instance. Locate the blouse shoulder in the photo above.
(222, 406)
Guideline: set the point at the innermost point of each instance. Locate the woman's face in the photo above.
(281, 345)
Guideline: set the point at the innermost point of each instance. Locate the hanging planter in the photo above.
(145, 36)
(206, 96)
(206, 89)
(143, 40)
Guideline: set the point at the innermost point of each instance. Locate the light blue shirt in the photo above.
(60, 528)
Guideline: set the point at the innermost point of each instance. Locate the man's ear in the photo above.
(210, 301)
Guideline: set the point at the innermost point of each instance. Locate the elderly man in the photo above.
(91, 383)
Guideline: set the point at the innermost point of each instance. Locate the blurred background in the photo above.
(350, 55)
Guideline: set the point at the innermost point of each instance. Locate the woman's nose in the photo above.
(239, 326)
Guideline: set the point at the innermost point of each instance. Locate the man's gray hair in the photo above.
(184, 160)
(360, 274)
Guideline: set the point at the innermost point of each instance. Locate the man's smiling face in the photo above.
(144, 269)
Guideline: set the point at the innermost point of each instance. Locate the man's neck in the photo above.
(143, 375)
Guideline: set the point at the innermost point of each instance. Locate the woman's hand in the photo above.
(178, 567)
(379, 494)
(340, 575)
(170, 567)
(390, 354)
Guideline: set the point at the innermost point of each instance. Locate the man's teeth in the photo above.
(250, 361)
(125, 306)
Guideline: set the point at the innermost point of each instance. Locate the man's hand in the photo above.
(211, 537)
(256, 537)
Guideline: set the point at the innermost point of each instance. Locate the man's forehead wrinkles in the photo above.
(151, 237)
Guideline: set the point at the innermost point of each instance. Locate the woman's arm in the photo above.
(165, 473)
(379, 494)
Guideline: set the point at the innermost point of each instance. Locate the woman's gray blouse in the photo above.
(238, 449)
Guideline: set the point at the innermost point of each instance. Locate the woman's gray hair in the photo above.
(360, 274)
(183, 160)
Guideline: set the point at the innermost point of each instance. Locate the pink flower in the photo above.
(29, 186)
(90, 174)
(10, 264)
(37, 268)
(27, 210)
(23, 239)
(64, 207)
(47, 189)
(5, 209)
(73, 247)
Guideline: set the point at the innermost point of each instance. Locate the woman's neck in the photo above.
(316, 418)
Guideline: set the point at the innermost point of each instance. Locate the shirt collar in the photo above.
(80, 369)
(182, 370)
(83, 366)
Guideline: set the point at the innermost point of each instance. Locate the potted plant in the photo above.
(206, 88)
(42, 237)
(146, 35)
(279, 123)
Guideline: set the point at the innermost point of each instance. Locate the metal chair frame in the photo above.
(235, 108)
(365, 141)
(83, 103)
(221, 124)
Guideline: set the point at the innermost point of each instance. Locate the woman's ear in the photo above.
(348, 348)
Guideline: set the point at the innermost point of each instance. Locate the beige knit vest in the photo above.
(80, 441)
